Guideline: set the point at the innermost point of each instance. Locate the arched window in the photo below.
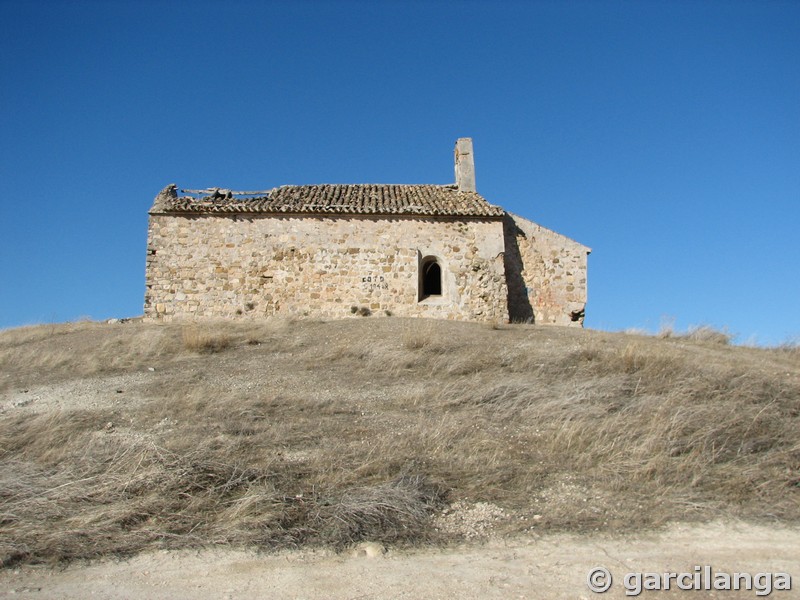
(430, 278)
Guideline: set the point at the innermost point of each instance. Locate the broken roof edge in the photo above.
(163, 198)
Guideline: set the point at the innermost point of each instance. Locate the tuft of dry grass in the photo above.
(706, 333)
(696, 333)
(198, 340)
(311, 433)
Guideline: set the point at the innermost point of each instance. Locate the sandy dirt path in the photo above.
(548, 566)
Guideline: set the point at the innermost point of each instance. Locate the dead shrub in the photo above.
(391, 513)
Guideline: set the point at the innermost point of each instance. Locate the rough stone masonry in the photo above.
(335, 251)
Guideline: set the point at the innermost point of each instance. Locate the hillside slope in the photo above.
(119, 438)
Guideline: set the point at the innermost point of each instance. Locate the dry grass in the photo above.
(696, 333)
(199, 339)
(289, 434)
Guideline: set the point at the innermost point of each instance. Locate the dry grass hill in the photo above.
(116, 438)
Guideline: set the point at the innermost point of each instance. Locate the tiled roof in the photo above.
(361, 199)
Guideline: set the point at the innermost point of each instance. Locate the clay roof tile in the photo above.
(368, 199)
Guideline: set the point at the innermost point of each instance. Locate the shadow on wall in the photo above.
(519, 305)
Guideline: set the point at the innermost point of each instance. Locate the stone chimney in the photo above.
(465, 165)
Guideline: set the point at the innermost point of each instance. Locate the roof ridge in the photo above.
(438, 185)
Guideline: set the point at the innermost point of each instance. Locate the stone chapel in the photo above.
(334, 251)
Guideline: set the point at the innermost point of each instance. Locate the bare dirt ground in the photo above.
(548, 566)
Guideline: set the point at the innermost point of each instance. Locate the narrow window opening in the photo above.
(430, 278)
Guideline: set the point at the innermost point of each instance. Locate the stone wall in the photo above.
(546, 274)
(262, 265)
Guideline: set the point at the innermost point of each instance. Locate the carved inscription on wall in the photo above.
(374, 282)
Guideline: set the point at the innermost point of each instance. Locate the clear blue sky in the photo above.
(664, 135)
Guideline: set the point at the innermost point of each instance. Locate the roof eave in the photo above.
(255, 213)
